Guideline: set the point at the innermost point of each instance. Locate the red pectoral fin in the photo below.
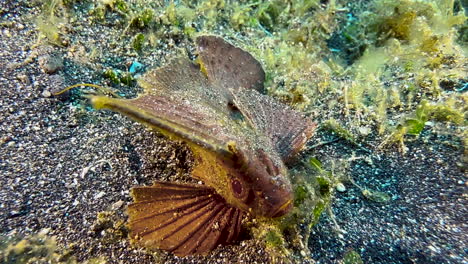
(182, 218)
(179, 119)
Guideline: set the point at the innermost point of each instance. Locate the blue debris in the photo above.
(136, 67)
(465, 86)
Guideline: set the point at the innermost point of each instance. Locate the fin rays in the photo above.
(195, 221)
(265, 114)
(190, 235)
(173, 210)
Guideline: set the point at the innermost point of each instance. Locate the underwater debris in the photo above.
(376, 196)
(100, 89)
(217, 108)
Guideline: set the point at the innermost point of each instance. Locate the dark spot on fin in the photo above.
(288, 130)
(228, 66)
(184, 219)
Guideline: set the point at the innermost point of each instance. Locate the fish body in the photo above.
(241, 140)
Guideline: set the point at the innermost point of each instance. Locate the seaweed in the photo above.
(138, 42)
(414, 124)
(39, 248)
(352, 257)
(51, 21)
(119, 77)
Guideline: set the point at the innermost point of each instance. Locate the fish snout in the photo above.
(278, 206)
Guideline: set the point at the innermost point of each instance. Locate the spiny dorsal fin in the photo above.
(288, 130)
(180, 74)
(228, 66)
(182, 79)
(182, 218)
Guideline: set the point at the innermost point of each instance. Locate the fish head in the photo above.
(260, 183)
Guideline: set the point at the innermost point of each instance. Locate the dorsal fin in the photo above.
(183, 80)
(180, 74)
(287, 129)
(228, 66)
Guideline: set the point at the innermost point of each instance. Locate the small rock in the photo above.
(56, 85)
(6, 33)
(44, 231)
(340, 187)
(117, 205)
(24, 78)
(99, 195)
(46, 93)
(50, 63)
(364, 130)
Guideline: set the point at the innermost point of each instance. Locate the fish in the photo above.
(241, 139)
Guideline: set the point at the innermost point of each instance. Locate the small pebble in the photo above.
(24, 78)
(364, 131)
(6, 33)
(50, 63)
(117, 205)
(46, 94)
(99, 195)
(340, 187)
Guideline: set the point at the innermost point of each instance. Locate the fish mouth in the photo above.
(283, 209)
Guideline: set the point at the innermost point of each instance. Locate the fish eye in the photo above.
(237, 187)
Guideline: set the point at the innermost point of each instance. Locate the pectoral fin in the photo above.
(184, 219)
(178, 119)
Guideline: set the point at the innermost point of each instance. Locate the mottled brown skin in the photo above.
(263, 177)
(240, 138)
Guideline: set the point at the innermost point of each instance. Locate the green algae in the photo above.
(451, 111)
(314, 192)
(109, 227)
(138, 42)
(51, 22)
(336, 128)
(38, 248)
(274, 239)
(352, 257)
(112, 75)
(119, 77)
